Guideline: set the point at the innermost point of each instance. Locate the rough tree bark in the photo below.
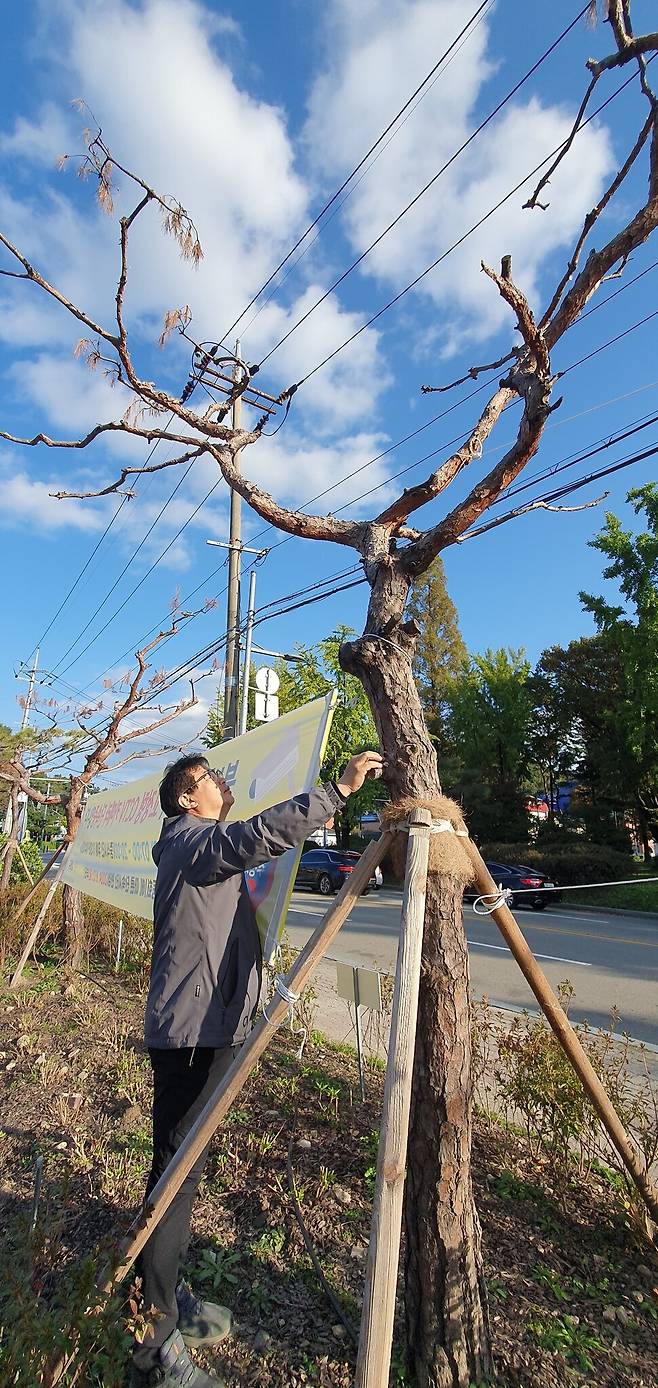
(446, 1307)
(446, 1303)
(76, 935)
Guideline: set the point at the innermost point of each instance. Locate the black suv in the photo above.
(324, 870)
(524, 884)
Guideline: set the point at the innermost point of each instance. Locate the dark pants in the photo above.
(183, 1081)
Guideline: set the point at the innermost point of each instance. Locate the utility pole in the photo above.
(22, 797)
(232, 665)
(251, 610)
(30, 690)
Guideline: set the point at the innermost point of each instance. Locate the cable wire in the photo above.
(433, 71)
(439, 259)
(456, 155)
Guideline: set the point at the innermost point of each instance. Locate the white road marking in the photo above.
(557, 958)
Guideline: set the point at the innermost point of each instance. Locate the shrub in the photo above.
(569, 863)
(32, 857)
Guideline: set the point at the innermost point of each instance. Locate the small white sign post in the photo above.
(363, 988)
(266, 703)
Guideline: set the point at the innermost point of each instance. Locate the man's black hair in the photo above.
(176, 781)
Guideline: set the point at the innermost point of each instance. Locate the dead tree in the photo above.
(448, 1333)
(113, 730)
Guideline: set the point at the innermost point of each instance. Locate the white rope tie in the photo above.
(284, 992)
(438, 826)
(490, 901)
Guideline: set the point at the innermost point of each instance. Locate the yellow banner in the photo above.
(111, 856)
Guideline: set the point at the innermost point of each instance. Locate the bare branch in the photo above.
(530, 379)
(308, 527)
(523, 511)
(473, 374)
(37, 278)
(127, 471)
(631, 49)
(413, 497)
(126, 223)
(533, 200)
(114, 426)
(594, 215)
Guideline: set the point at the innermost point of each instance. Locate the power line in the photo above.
(403, 471)
(600, 447)
(439, 259)
(94, 551)
(569, 487)
(482, 126)
(485, 383)
(434, 71)
(117, 581)
(149, 571)
(435, 263)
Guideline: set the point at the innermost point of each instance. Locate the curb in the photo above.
(610, 910)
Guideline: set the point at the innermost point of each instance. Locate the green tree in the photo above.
(491, 710)
(629, 638)
(352, 728)
(440, 651)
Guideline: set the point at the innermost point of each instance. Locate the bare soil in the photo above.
(572, 1282)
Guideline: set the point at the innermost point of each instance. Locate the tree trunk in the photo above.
(75, 930)
(12, 840)
(446, 1307)
(447, 1323)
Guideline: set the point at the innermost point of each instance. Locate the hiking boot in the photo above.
(175, 1369)
(200, 1322)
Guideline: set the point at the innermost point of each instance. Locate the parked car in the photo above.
(523, 883)
(324, 870)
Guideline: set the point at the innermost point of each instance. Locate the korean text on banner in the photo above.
(111, 856)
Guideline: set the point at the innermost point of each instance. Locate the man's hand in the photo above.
(363, 766)
(228, 798)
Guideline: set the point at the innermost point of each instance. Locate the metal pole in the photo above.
(232, 667)
(22, 811)
(359, 1043)
(119, 943)
(251, 610)
(30, 691)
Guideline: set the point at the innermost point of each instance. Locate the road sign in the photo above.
(267, 680)
(266, 707)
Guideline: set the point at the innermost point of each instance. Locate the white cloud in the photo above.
(28, 503)
(370, 68)
(173, 111)
(296, 469)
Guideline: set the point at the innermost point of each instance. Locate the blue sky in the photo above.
(252, 123)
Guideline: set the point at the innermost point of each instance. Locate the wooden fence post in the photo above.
(374, 1357)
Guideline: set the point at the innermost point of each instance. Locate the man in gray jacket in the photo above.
(203, 995)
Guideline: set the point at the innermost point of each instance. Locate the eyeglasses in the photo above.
(214, 776)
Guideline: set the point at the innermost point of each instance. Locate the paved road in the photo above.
(612, 960)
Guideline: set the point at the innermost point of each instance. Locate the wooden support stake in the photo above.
(18, 971)
(558, 1020)
(22, 858)
(219, 1103)
(25, 903)
(374, 1357)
